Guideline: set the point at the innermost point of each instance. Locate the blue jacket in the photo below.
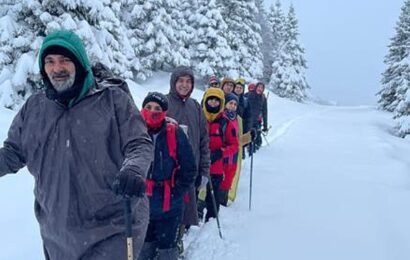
(162, 168)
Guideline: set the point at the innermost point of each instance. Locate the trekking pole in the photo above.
(250, 179)
(265, 134)
(128, 227)
(266, 139)
(211, 189)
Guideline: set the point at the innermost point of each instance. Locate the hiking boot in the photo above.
(223, 197)
(180, 243)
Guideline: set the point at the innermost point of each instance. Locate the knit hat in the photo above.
(230, 97)
(251, 87)
(227, 80)
(60, 50)
(157, 98)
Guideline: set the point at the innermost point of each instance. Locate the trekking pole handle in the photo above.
(128, 228)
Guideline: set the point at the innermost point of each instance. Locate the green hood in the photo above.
(73, 43)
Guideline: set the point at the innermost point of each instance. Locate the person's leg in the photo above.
(149, 248)
(166, 234)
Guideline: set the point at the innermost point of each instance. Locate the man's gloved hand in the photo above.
(265, 129)
(253, 133)
(128, 183)
(204, 182)
(216, 155)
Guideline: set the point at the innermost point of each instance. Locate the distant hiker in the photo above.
(259, 112)
(251, 88)
(227, 85)
(244, 107)
(187, 111)
(82, 139)
(213, 82)
(223, 143)
(172, 173)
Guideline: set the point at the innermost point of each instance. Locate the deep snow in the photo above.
(332, 184)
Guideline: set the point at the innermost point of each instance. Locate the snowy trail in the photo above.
(333, 184)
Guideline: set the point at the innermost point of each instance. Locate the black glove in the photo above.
(216, 155)
(128, 183)
(265, 129)
(253, 133)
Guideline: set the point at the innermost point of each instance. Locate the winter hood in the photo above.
(70, 41)
(180, 72)
(226, 80)
(213, 92)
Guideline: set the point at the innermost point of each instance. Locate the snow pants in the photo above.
(164, 231)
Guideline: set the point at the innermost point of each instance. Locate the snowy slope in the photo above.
(332, 184)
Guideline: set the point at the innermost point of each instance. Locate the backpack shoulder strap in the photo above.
(223, 124)
(172, 141)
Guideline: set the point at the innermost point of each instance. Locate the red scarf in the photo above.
(153, 119)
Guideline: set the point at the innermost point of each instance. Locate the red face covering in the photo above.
(153, 119)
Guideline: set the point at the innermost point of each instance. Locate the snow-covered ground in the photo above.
(333, 183)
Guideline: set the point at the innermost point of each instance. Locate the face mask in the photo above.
(231, 114)
(153, 119)
(212, 110)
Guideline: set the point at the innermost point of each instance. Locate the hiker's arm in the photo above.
(11, 155)
(136, 144)
(204, 160)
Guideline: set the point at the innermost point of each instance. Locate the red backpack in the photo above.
(170, 183)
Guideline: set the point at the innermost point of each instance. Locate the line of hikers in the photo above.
(88, 147)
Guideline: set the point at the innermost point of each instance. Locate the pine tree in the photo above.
(244, 36)
(276, 27)
(288, 69)
(402, 111)
(267, 40)
(210, 51)
(156, 37)
(184, 31)
(395, 94)
(394, 83)
(24, 25)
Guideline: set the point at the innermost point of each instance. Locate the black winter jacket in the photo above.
(259, 109)
(245, 112)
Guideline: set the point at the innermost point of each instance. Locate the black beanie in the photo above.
(230, 97)
(56, 49)
(156, 97)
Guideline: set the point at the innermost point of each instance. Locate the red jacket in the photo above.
(231, 154)
(223, 135)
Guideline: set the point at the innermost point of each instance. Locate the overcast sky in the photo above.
(345, 43)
